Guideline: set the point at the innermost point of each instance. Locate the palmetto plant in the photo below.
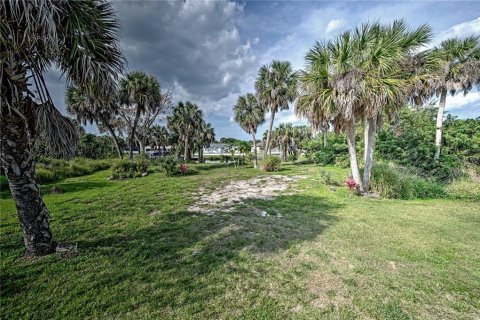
(249, 115)
(205, 135)
(184, 121)
(276, 87)
(359, 76)
(88, 109)
(159, 136)
(78, 37)
(458, 70)
(139, 92)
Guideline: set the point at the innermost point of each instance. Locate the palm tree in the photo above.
(458, 71)
(384, 50)
(359, 76)
(160, 136)
(276, 87)
(88, 109)
(249, 115)
(80, 38)
(139, 92)
(184, 121)
(205, 135)
(284, 137)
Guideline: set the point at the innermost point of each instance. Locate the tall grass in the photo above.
(50, 170)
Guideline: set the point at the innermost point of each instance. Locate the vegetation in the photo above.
(50, 170)
(32, 41)
(142, 253)
(189, 130)
(271, 163)
(275, 87)
(249, 115)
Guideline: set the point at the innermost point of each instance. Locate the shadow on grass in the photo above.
(189, 252)
(69, 186)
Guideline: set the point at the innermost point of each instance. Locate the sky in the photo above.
(210, 51)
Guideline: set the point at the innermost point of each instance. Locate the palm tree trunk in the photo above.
(200, 154)
(325, 135)
(370, 139)
(115, 141)
(439, 128)
(352, 150)
(267, 147)
(185, 150)
(19, 166)
(255, 160)
(134, 128)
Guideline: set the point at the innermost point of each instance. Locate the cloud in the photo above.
(335, 25)
(459, 101)
(194, 44)
(461, 30)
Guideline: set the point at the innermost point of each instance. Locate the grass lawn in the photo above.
(318, 253)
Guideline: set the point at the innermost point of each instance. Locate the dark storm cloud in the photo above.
(195, 44)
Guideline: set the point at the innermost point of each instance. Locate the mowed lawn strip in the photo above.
(318, 253)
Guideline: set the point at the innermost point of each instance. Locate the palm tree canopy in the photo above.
(248, 113)
(184, 119)
(78, 37)
(359, 73)
(276, 85)
(141, 90)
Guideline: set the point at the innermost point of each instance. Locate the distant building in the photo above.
(216, 149)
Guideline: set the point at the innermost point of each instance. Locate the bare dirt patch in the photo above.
(224, 198)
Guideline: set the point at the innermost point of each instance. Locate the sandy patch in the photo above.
(236, 192)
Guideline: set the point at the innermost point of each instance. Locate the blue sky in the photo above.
(210, 51)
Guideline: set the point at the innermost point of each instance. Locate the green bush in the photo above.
(292, 157)
(395, 182)
(169, 165)
(271, 163)
(45, 175)
(3, 183)
(464, 189)
(142, 162)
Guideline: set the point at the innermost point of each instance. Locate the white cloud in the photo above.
(335, 24)
(460, 30)
(459, 101)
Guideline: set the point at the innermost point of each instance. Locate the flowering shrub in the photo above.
(183, 168)
(351, 184)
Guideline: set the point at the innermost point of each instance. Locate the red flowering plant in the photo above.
(351, 184)
(183, 168)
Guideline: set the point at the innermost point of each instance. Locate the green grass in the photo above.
(144, 256)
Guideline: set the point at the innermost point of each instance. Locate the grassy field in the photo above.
(318, 254)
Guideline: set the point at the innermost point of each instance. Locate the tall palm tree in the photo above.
(159, 135)
(249, 115)
(458, 71)
(384, 49)
(80, 38)
(359, 76)
(139, 91)
(88, 109)
(184, 121)
(205, 135)
(276, 87)
(284, 137)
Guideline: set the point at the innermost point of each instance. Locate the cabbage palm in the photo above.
(184, 121)
(204, 137)
(359, 76)
(276, 87)
(78, 37)
(249, 115)
(458, 71)
(159, 135)
(88, 109)
(138, 93)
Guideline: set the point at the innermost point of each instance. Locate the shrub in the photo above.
(169, 165)
(44, 175)
(292, 157)
(123, 169)
(3, 183)
(142, 162)
(464, 189)
(397, 183)
(271, 163)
